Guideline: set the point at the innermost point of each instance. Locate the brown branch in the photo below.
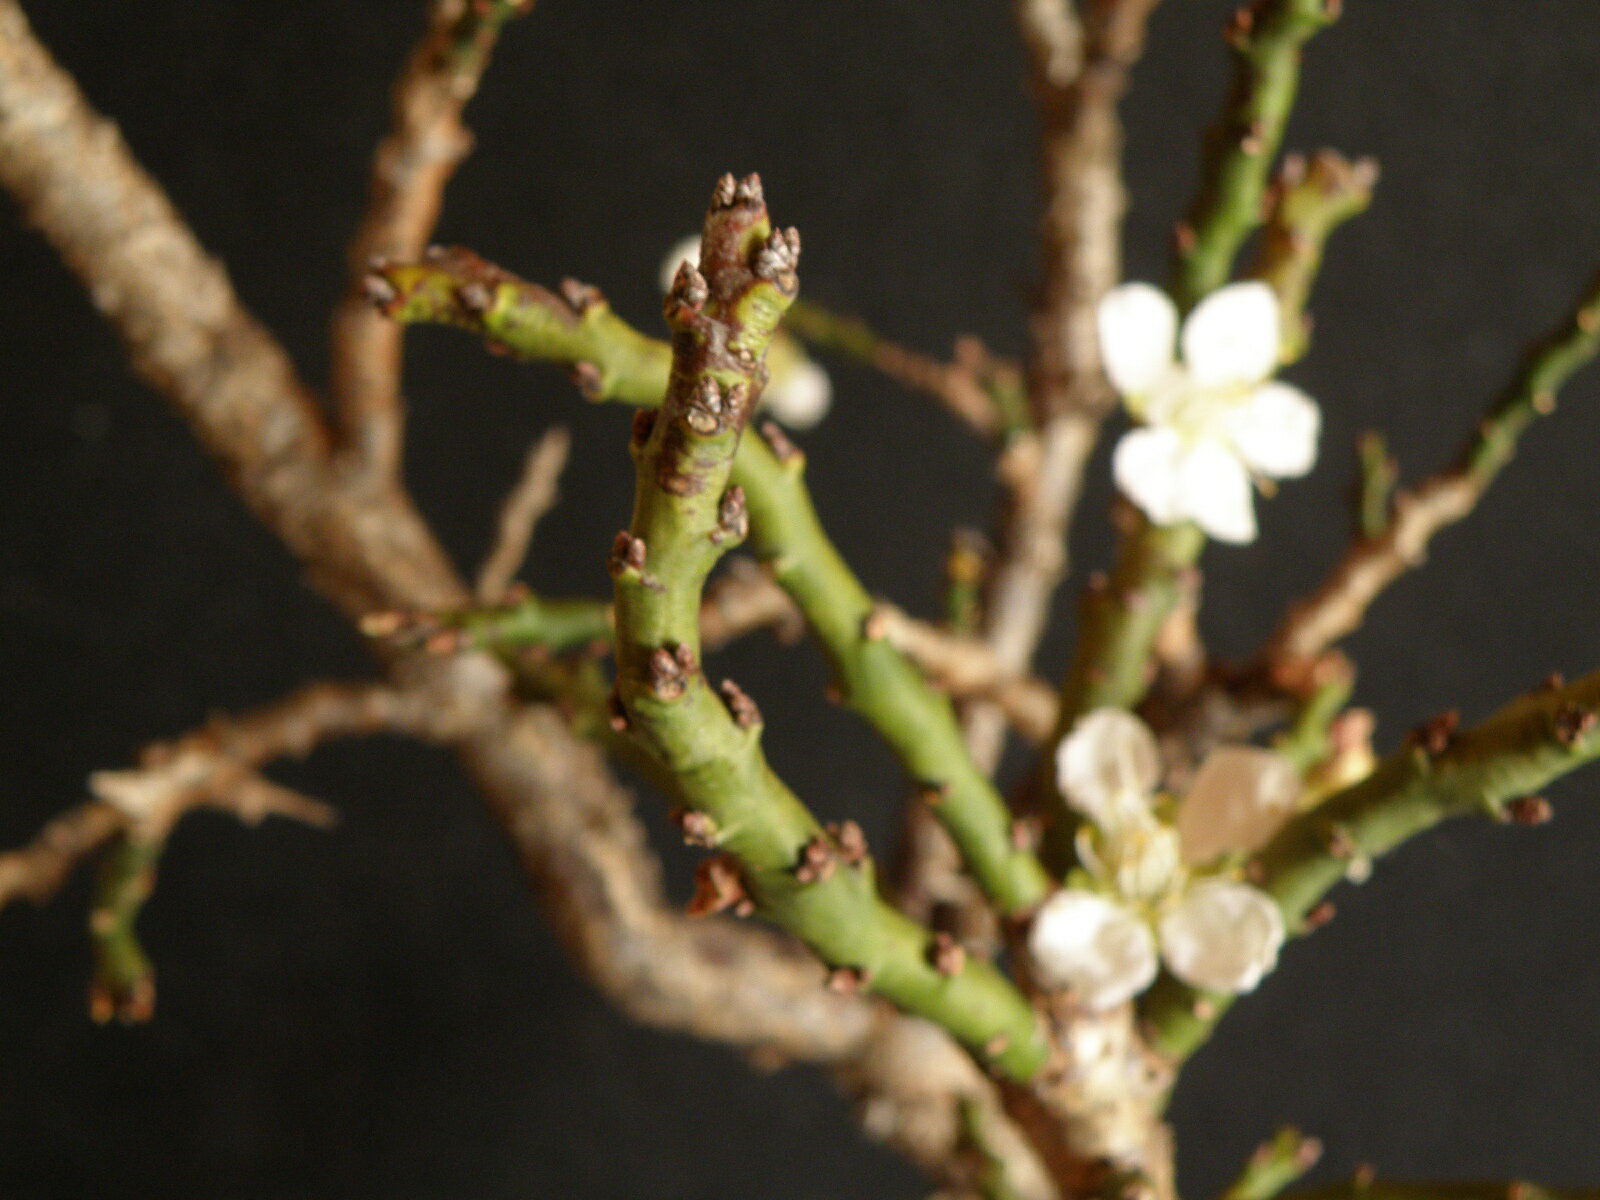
(968, 669)
(1337, 608)
(534, 495)
(368, 551)
(1079, 72)
(413, 164)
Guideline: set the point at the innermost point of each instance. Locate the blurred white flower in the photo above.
(1100, 939)
(1210, 416)
(798, 392)
(1093, 946)
(1221, 936)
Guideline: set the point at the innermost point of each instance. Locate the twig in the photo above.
(968, 669)
(534, 495)
(1490, 769)
(1275, 1165)
(1267, 39)
(414, 163)
(1336, 608)
(612, 361)
(1364, 1187)
(1078, 73)
(982, 392)
(782, 864)
(1308, 202)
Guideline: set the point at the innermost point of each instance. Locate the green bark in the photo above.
(1486, 770)
(687, 513)
(1267, 40)
(612, 361)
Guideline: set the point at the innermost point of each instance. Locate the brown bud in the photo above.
(628, 553)
(1529, 810)
(996, 1046)
(1025, 833)
(378, 290)
(932, 794)
(689, 287)
(616, 713)
(1319, 916)
(1435, 734)
(1572, 722)
(947, 955)
(817, 861)
(718, 886)
(666, 674)
(723, 194)
(475, 297)
(733, 518)
(847, 981)
(851, 841)
(785, 450)
(644, 421)
(875, 626)
(749, 190)
(587, 379)
(745, 713)
(698, 828)
(580, 296)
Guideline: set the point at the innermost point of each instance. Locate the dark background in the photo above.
(379, 1012)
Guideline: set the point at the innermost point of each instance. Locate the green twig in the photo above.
(1267, 39)
(1495, 769)
(1275, 1165)
(123, 987)
(1336, 608)
(612, 361)
(687, 512)
(1309, 201)
(1375, 485)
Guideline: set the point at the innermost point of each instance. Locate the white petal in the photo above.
(1138, 336)
(1099, 950)
(1232, 335)
(1222, 936)
(1214, 492)
(684, 250)
(801, 396)
(1276, 431)
(1240, 797)
(1146, 467)
(1141, 860)
(1108, 766)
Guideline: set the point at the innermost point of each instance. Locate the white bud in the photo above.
(1107, 768)
(1241, 796)
(801, 396)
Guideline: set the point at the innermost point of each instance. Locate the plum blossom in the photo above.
(1211, 415)
(799, 392)
(1152, 889)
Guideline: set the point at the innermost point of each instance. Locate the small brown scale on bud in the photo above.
(627, 554)
(377, 288)
(718, 887)
(669, 671)
(1025, 833)
(1340, 844)
(947, 955)
(1552, 682)
(817, 861)
(704, 412)
(1435, 734)
(875, 626)
(689, 291)
(476, 298)
(852, 842)
(733, 518)
(1572, 722)
(1529, 810)
(1319, 916)
(698, 828)
(932, 794)
(848, 981)
(996, 1046)
(580, 297)
(778, 259)
(745, 713)
(587, 379)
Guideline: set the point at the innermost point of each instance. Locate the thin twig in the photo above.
(535, 494)
(413, 164)
(1336, 608)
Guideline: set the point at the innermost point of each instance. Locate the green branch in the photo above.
(1267, 40)
(123, 987)
(687, 512)
(1493, 769)
(612, 361)
(1275, 1165)
(1309, 202)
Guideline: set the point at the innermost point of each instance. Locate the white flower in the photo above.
(798, 392)
(1108, 767)
(1212, 932)
(1093, 946)
(1240, 797)
(1222, 936)
(1211, 416)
